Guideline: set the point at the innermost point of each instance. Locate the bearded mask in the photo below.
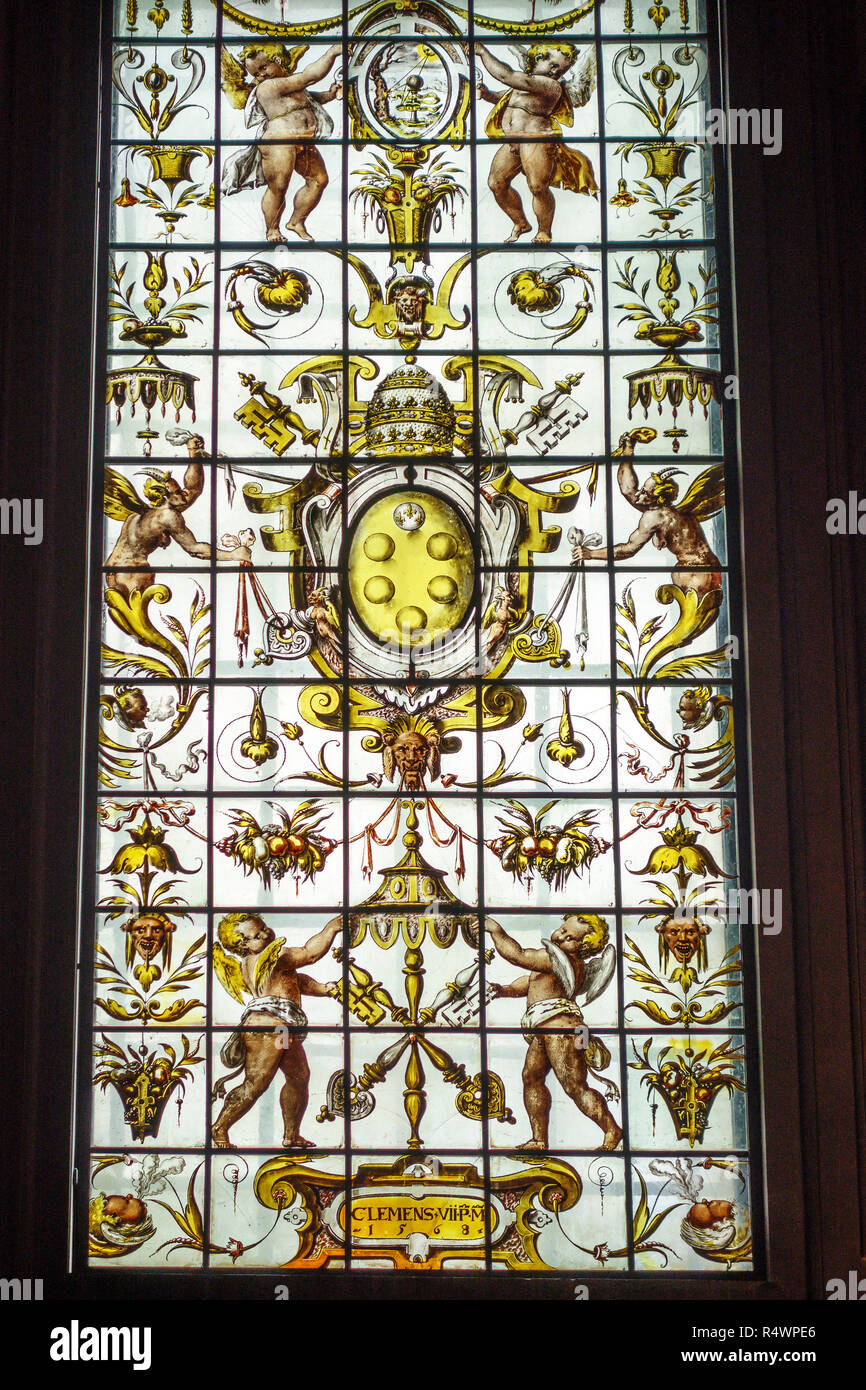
(410, 753)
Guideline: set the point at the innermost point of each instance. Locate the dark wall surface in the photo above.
(798, 244)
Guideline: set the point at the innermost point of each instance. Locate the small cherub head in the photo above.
(711, 1215)
(692, 708)
(265, 60)
(120, 1214)
(132, 707)
(550, 59)
(121, 1223)
(125, 1211)
(581, 936)
(244, 933)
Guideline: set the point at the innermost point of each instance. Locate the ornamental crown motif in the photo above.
(410, 414)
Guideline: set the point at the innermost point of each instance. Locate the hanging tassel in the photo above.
(242, 619)
(460, 865)
(367, 866)
(231, 486)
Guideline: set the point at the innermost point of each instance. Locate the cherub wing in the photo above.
(490, 614)
(581, 89)
(706, 496)
(234, 82)
(229, 973)
(561, 966)
(266, 962)
(119, 498)
(295, 56)
(598, 972)
(519, 52)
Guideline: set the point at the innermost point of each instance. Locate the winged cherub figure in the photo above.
(251, 960)
(277, 99)
(538, 103)
(667, 523)
(577, 960)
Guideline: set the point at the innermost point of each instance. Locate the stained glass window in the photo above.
(413, 900)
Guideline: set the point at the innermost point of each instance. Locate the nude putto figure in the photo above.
(537, 103)
(290, 118)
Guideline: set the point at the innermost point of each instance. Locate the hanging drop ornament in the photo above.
(234, 1177)
(602, 1177)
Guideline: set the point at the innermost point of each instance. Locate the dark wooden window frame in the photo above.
(797, 241)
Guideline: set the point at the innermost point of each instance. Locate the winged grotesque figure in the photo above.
(668, 523)
(154, 521)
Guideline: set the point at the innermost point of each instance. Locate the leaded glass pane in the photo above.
(412, 904)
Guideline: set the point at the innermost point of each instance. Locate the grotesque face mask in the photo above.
(682, 936)
(409, 305)
(148, 936)
(409, 753)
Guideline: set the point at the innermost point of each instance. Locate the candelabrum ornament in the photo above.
(414, 904)
(166, 98)
(665, 156)
(163, 101)
(162, 324)
(170, 165)
(673, 378)
(151, 382)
